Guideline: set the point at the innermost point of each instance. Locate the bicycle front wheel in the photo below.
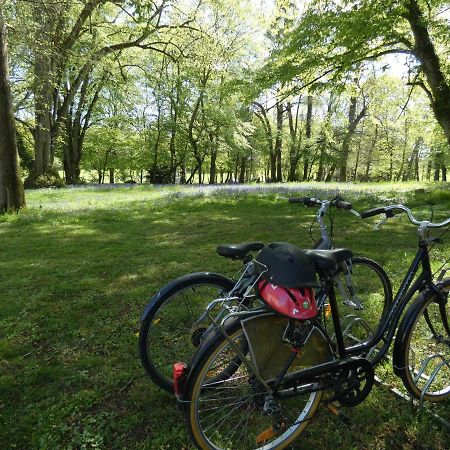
(169, 331)
(233, 413)
(363, 293)
(422, 348)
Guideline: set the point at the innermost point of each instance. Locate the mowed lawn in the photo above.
(78, 266)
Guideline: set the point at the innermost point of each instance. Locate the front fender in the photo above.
(406, 323)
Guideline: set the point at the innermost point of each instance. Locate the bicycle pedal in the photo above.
(339, 414)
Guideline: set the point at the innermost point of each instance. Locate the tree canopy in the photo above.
(213, 91)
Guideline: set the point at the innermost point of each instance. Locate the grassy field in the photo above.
(78, 266)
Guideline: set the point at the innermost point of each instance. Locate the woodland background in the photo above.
(226, 91)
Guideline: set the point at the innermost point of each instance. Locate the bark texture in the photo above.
(11, 187)
(425, 52)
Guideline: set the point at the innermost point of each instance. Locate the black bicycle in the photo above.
(257, 381)
(174, 322)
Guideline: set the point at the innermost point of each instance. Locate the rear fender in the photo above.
(185, 281)
(229, 326)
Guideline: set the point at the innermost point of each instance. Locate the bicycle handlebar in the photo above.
(372, 212)
(391, 210)
(341, 204)
(312, 202)
(307, 201)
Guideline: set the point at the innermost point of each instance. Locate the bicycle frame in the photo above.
(325, 243)
(389, 323)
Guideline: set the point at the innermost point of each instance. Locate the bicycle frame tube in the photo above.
(389, 322)
(325, 242)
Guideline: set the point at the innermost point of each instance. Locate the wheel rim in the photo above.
(370, 293)
(172, 335)
(229, 413)
(428, 354)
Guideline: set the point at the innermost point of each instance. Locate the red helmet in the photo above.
(296, 303)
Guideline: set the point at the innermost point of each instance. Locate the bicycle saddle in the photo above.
(239, 251)
(328, 260)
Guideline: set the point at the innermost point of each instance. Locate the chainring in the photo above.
(354, 383)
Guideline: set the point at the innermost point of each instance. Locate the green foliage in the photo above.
(50, 179)
(173, 89)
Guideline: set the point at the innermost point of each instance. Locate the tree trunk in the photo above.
(243, 164)
(279, 141)
(401, 170)
(77, 124)
(370, 154)
(42, 106)
(43, 92)
(273, 167)
(412, 167)
(262, 116)
(183, 173)
(425, 52)
(353, 121)
(308, 136)
(358, 155)
(72, 152)
(213, 158)
(11, 188)
(111, 175)
(321, 168)
(330, 173)
(439, 164)
(346, 141)
(429, 167)
(156, 146)
(294, 150)
(212, 168)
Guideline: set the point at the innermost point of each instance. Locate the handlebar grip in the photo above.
(373, 212)
(341, 204)
(307, 201)
(296, 199)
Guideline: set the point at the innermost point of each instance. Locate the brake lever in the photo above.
(355, 213)
(380, 223)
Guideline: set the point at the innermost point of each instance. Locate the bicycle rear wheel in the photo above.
(233, 413)
(169, 332)
(422, 348)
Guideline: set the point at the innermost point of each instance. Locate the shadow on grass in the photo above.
(74, 284)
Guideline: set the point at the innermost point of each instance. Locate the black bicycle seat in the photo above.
(239, 251)
(328, 260)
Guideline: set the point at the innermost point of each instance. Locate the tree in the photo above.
(67, 42)
(11, 188)
(332, 39)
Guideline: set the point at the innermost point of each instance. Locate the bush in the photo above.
(50, 179)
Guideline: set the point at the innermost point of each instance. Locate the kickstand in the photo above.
(336, 410)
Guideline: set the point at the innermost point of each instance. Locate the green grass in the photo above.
(78, 267)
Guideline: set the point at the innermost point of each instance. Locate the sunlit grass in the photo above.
(79, 265)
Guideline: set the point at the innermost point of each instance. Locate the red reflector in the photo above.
(179, 377)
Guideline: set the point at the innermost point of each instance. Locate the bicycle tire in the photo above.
(162, 342)
(373, 289)
(421, 335)
(246, 411)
